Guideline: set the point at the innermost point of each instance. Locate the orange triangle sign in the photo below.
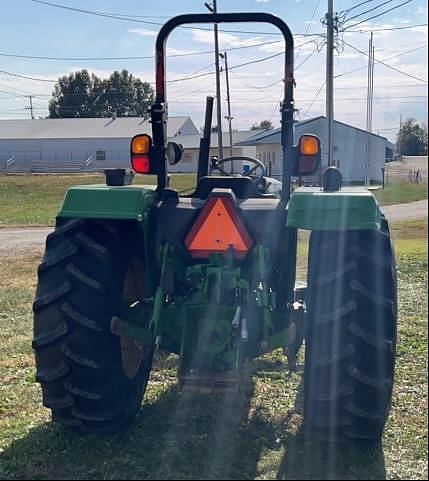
(218, 228)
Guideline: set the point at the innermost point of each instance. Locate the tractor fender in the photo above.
(129, 202)
(351, 208)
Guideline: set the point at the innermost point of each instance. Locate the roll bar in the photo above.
(159, 109)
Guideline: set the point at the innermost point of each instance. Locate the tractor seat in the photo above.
(243, 187)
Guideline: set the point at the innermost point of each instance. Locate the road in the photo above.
(413, 210)
(19, 240)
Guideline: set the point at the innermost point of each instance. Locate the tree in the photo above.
(263, 125)
(82, 95)
(412, 138)
(72, 96)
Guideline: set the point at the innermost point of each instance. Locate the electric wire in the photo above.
(385, 29)
(379, 15)
(370, 10)
(390, 66)
(146, 57)
(130, 19)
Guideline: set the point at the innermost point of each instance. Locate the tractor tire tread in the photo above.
(79, 318)
(82, 379)
(52, 296)
(360, 321)
(53, 374)
(50, 337)
(77, 358)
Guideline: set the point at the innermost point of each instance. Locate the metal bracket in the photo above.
(121, 328)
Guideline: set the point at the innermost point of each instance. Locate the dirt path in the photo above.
(18, 240)
(413, 210)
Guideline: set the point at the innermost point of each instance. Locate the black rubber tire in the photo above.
(350, 334)
(78, 359)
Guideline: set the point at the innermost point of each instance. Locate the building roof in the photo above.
(88, 128)
(193, 141)
(273, 136)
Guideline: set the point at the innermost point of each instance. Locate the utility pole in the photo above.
(330, 26)
(31, 106)
(369, 103)
(229, 117)
(213, 9)
(399, 139)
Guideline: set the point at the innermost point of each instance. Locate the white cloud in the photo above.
(262, 1)
(225, 39)
(178, 51)
(143, 32)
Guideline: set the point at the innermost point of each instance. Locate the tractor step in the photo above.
(209, 382)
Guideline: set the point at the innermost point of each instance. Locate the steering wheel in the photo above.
(218, 165)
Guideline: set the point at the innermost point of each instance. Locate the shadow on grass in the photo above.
(178, 436)
(188, 436)
(308, 458)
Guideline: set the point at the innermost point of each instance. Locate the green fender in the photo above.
(351, 208)
(104, 202)
(131, 202)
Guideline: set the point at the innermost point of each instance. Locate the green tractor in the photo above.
(210, 276)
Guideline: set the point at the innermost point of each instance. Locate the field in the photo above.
(182, 436)
(401, 192)
(35, 199)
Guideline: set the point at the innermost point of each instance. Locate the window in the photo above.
(100, 155)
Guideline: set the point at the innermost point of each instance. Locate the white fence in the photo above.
(410, 169)
(61, 162)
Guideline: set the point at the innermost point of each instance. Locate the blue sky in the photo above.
(33, 29)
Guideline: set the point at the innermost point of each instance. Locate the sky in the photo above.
(70, 38)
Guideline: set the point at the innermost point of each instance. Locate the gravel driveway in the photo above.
(16, 241)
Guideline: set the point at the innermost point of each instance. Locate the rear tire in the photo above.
(351, 334)
(79, 361)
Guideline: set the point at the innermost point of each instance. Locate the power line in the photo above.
(387, 29)
(390, 66)
(380, 14)
(146, 57)
(357, 6)
(27, 78)
(131, 19)
(370, 10)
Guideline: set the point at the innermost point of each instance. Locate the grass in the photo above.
(401, 193)
(36, 199)
(182, 436)
(44, 194)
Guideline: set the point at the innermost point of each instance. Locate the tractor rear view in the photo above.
(210, 276)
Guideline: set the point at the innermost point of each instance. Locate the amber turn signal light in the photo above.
(141, 144)
(309, 145)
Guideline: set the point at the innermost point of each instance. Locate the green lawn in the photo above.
(36, 199)
(401, 193)
(179, 436)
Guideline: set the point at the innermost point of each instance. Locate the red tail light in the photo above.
(141, 146)
(141, 163)
(218, 228)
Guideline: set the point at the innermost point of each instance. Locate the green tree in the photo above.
(412, 138)
(263, 125)
(72, 96)
(82, 95)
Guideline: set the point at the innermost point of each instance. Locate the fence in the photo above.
(61, 162)
(413, 170)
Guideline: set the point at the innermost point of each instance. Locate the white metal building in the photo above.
(73, 145)
(191, 145)
(350, 147)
